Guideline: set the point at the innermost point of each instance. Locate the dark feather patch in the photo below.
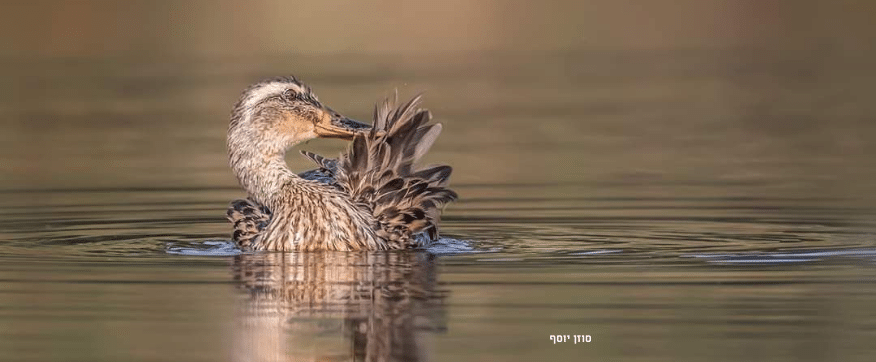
(407, 201)
(249, 219)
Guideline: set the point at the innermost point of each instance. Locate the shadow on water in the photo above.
(384, 304)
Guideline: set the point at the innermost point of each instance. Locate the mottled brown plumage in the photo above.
(371, 198)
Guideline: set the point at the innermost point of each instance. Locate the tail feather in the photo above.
(378, 171)
(427, 137)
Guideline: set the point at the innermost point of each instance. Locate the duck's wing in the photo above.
(328, 164)
(249, 219)
(378, 173)
(326, 171)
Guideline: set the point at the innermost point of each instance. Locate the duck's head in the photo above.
(277, 113)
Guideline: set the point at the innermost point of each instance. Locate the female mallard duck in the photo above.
(371, 198)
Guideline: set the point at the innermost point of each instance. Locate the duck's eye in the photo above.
(290, 95)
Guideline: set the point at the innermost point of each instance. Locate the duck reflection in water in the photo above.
(338, 306)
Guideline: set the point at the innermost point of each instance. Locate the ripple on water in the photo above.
(443, 246)
(207, 248)
(787, 257)
(491, 230)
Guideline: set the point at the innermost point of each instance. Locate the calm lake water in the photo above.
(697, 204)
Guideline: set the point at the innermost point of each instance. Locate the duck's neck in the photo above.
(260, 169)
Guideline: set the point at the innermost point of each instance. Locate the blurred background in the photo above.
(682, 180)
(137, 93)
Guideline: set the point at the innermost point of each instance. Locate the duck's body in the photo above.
(371, 198)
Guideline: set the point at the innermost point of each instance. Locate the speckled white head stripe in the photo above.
(266, 90)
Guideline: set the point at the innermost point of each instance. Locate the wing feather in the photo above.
(378, 170)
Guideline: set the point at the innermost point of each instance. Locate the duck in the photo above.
(373, 196)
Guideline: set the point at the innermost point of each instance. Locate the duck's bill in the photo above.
(338, 126)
